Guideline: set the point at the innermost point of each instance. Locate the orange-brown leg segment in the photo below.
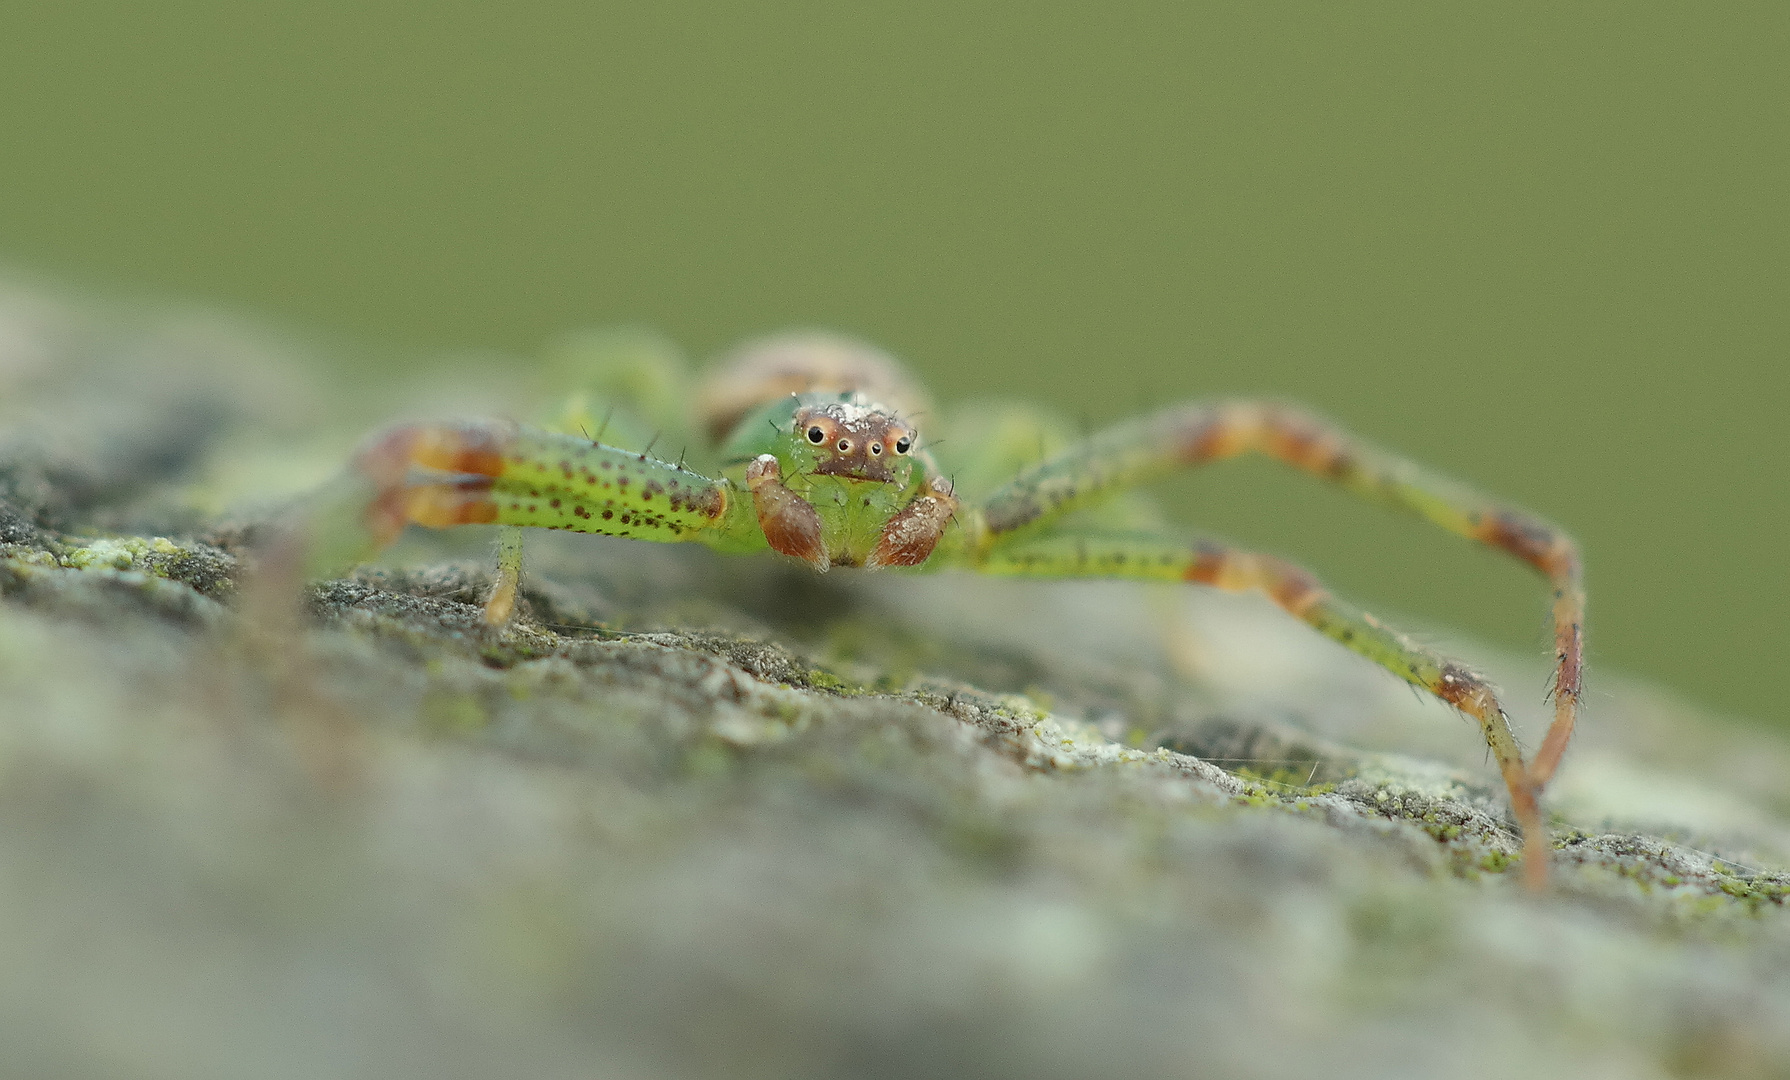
(1149, 556)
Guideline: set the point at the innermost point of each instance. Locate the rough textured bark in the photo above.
(706, 816)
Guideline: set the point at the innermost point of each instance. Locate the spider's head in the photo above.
(845, 484)
(854, 441)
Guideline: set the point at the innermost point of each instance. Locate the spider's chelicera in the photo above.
(820, 459)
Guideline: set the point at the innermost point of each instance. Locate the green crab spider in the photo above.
(820, 459)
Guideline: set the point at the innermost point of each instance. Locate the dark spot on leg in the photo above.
(1342, 464)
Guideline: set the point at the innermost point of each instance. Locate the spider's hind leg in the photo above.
(1152, 556)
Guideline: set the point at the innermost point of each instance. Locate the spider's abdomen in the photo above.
(772, 369)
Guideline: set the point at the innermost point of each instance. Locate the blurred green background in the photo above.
(1541, 246)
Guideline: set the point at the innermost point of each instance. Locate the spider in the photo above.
(819, 457)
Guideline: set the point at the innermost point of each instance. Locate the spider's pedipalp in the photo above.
(789, 522)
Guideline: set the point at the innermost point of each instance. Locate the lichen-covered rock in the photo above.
(693, 816)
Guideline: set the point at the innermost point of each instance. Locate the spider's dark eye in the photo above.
(876, 449)
(843, 446)
(815, 435)
(903, 444)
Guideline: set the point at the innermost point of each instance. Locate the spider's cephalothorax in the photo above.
(839, 481)
(820, 460)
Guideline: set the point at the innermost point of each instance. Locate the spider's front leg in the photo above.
(1017, 518)
(493, 472)
(1154, 557)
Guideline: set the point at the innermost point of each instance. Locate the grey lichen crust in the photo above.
(692, 816)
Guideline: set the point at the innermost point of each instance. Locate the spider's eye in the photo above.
(815, 434)
(876, 449)
(903, 444)
(843, 446)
